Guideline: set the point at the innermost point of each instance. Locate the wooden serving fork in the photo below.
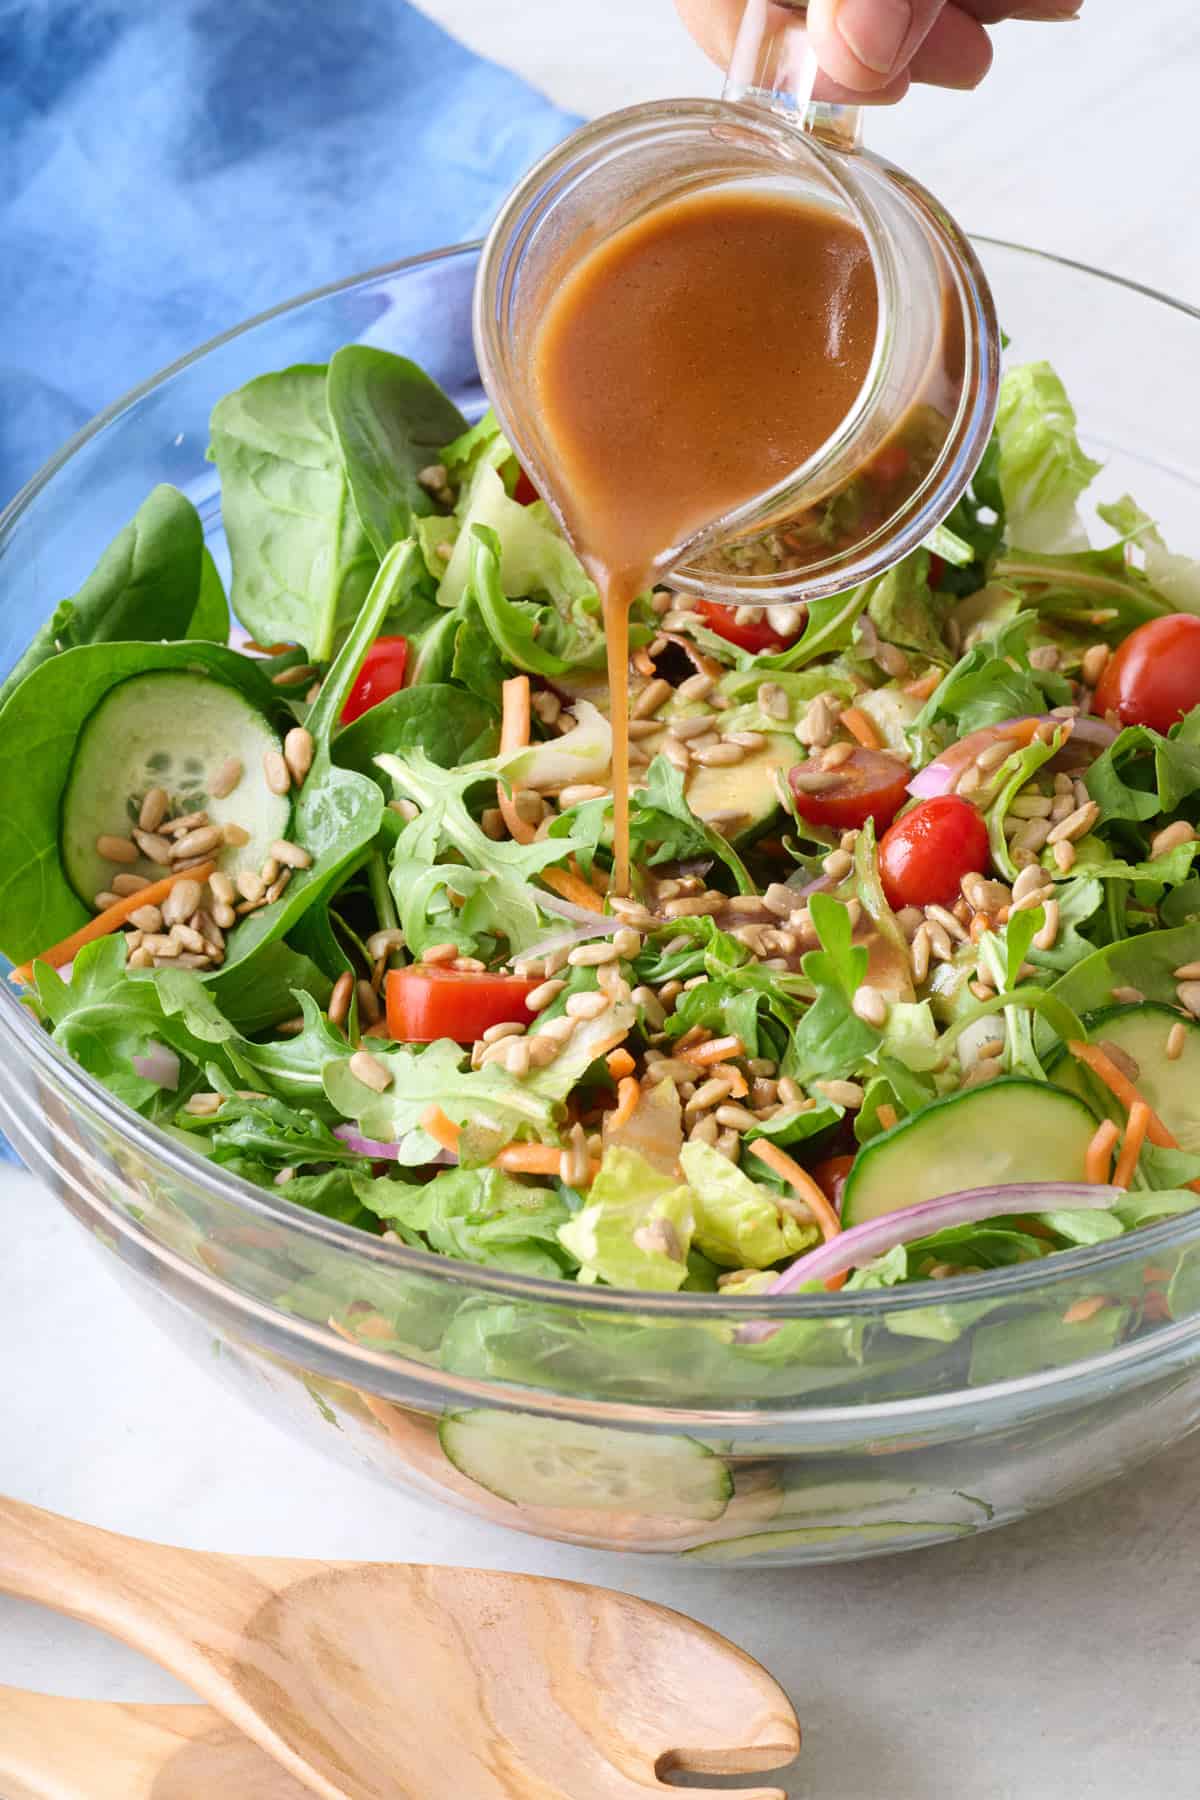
(385, 1681)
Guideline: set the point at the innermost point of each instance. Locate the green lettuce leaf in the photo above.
(478, 1215)
(1042, 470)
(1143, 775)
(739, 1224)
(636, 1228)
(1175, 577)
(907, 613)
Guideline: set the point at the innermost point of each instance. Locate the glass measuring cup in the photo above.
(906, 450)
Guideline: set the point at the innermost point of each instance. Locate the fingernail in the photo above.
(1049, 14)
(874, 31)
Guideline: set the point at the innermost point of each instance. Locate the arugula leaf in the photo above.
(40, 724)
(271, 1132)
(1071, 589)
(831, 1040)
(478, 1215)
(489, 1099)
(1041, 469)
(302, 563)
(1142, 774)
(662, 826)
(389, 419)
(1175, 577)
(155, 580)
(1079, 900)
(983, 687)
(829, 626)
(1014, 774)
(494, 877)
(907, 613)
(293, 1066)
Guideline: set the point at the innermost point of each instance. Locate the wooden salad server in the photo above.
(55, 1749)
(386, 1681)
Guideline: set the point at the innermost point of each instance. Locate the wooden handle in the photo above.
(54, 1749)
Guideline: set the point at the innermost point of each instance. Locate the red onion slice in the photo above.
(159, 1065)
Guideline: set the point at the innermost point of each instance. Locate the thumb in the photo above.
(862, 44)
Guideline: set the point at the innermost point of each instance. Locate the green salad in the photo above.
(908, 985)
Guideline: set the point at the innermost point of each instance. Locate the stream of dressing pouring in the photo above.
(771, 61)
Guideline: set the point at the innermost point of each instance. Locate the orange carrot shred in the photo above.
(803, 1183)
(628, 1095)
(924, 686)
(1131, 1149)
(1080, 1311)
(1097, 1163)
(529, 1159)
(714, 1051)
(642, 662)
(514, 735)
(1107, 1071)
(109, 920)
(442, 1130)
(572, 887)
(887, 1116)
(620, 1063)
(858, 725)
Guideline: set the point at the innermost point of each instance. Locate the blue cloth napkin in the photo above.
(169, 168)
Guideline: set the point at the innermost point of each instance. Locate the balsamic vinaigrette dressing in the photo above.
(689, 362)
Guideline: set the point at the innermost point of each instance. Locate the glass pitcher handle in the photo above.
(772, 65)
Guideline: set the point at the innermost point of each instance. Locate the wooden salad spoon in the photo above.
(56, 1749)
(386, 1681)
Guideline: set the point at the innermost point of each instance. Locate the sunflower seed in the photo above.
(842, 1093)
(838, 864)
(718, 756)
(1171, 837)
(201, 842)
(870, 1006)
(1128, 996)
(147, 918)
(1176, 1041)
(370, 1071)
(1076, 825)
(1188, 995)
(298, 751)
(116, 849)
(226, 778)
(291, 855)
(182, 901)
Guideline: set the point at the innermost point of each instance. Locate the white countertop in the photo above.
(1056, 1657)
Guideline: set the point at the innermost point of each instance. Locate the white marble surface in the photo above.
(1058, 1657)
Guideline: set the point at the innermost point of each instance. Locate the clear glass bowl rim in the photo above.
(25, 1038)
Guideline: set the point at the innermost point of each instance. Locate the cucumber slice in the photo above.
(556, 1463)
(839, 1540)
(1171, 1088)
(169, 730)
(1008, 1131)
(747, 789)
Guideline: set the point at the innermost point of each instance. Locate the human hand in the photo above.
(871, 50)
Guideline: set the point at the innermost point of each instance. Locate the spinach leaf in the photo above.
(831, 1039)
(302, 562)
(39, 726)
(155, 580)
(338, 812)
(1143, 774)
(449, 724)
(389, 419)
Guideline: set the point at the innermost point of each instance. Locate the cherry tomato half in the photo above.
(525, 493)
(924, 855)
(830, 1177)
(425, 1003)
(755, 638)
(870, 784)
(381, 676)
(1154, 678)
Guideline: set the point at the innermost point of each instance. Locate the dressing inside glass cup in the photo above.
(732, 347)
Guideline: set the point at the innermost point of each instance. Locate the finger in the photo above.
(833, 94)
(956, 54)
(713, 24)
(863, 44)
(991, 12)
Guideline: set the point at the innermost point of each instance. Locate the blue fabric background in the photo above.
(168, 168)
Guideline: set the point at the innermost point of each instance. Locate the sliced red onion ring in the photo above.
(941, 775)
(863, 1243)
(159, 1065)
(380, 1152)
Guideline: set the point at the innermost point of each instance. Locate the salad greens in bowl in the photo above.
(865, 1127)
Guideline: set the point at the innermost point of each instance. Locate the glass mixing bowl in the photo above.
(858, 1425)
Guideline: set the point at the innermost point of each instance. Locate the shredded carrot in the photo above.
(924, 686)
(442, 1130)
(1131, 1149)
(1080, 1311)
(109, 920)
(802, 1182)
(572, 887)
(1097, 1163)
(1107, 1071)
(514, 735)
(642, 661)
(628, 1094)
(620, 1063)
(887, 1116)
(714, 1051)
(858, 725)
(836, 1282)
(370, 1324)
(529, 1159)
(738, 1086)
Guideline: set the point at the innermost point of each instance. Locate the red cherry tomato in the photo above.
(425, 1003)
(525, 493)
(924, 856)
(1154, 678)
(755, 638)
(830, 1177)
(870, 784)
(891, 464)
(381, 675)
(937, 568)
